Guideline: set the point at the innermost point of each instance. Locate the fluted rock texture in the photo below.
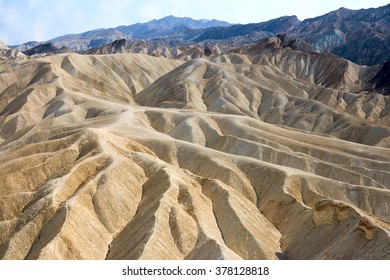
(261, 153)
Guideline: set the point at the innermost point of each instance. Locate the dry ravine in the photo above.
(263, 152)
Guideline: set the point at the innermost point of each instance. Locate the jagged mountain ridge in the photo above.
(250, 154)
(183, 52)
(361, 36)
(186, 51)
(166, 26)
(267, 29)
(169, 27)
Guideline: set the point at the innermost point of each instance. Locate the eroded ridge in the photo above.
(134, 157)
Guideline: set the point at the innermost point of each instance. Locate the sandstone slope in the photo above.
(252, 155)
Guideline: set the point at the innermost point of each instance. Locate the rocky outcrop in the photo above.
(381, 81)
(15, 54)
(184, 52)
(47, 48)
(288, 41)
(10, 53)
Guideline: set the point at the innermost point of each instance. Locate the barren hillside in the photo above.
(264, 152)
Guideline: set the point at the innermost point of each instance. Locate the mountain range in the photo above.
(361, 36)
(223, 149)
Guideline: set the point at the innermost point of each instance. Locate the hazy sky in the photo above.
(39, 20)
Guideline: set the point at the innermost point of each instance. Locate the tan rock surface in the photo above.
(2, 45)
(242, 157)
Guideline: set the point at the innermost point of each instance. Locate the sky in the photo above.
(40, 20)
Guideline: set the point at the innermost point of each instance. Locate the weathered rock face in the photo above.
(47, 48)
(258, 30)
(247, 155)
(15, 54)
(381, 81)
(361, 36)
(183, 52)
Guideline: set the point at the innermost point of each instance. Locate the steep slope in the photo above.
(381, 82)
(114, 78)
(182, 52)
(88, 173)
(257, 30)
(361, 36)
(309, 91)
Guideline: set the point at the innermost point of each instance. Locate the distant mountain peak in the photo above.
(344, 9)
(170, 22)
